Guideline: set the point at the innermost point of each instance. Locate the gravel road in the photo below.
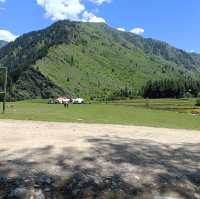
(71, 160)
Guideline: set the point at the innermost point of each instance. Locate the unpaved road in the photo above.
(143, 162)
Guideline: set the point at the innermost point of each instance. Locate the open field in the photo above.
(170, 113)
(71, 160)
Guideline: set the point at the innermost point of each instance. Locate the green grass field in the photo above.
(134, 112)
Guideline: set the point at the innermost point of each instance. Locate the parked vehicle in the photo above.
(62, 100)
(51, 101)
(66, 100)
(78, 101)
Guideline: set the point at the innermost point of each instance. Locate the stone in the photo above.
(164, 197)
(47, 189)
(36, 185)
(45, 180)
(76, 192)
(23, 193)
(20, 193)
(39, 195)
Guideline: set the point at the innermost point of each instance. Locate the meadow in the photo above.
(169, 113)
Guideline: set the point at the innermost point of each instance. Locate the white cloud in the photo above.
(121, 29)
(99, 2)
(2, 1)
(62, 9)
(69, 9)
(137, 31)
(7, 36)
(90, 17)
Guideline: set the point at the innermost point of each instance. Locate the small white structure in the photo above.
(67, 100)
(63, 100)
(78, 101)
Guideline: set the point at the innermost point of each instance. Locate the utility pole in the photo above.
(5, 69)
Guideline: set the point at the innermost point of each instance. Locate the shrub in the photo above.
(147, 104)
(198, 102)
(188, 95)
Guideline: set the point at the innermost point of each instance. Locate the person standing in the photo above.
(66, 104)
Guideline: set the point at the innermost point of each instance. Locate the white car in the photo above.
(58, 101)
(66, 101)
(62, 100)
(78, 101)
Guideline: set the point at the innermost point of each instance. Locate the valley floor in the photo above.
(72, 160)
(164, 113)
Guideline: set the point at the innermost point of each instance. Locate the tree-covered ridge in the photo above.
(90, 60)
(19, 56)
(25, 50)
(190, 61)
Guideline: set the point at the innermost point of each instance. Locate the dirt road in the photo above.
(93, 160)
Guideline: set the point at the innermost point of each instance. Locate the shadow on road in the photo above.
(112, 167)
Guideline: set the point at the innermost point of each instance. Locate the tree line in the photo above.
(172, 88)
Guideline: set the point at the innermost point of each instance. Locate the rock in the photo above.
(137, 177)
(39, 195)
(47, 189)
(164, 197)
(20, 193)
(23, 193)
(45, 180)
(36, 185)
(76, 192)
(195, 178)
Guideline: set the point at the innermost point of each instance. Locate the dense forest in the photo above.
(172, 88)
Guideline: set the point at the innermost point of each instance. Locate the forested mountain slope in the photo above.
(90, 60)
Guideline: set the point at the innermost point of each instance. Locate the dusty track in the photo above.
(145, 159)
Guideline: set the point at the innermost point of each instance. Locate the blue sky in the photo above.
(174, 21)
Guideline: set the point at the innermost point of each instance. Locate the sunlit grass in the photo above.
(39, 110)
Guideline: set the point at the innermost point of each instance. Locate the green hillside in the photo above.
(90, 60)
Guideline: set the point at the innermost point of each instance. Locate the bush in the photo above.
(188, 95)
(198, 102)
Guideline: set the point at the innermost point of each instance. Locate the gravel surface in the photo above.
(71, 160)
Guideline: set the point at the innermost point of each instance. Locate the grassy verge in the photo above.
(101, 113)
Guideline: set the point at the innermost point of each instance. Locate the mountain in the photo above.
(167, 52)
(90, 60)
(2, 43)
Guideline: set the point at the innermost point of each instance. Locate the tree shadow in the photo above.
(112, 167)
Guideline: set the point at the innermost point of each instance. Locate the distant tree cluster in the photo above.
(172, 88)
(122, 93)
